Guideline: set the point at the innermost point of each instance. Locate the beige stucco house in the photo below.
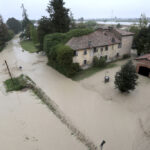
(109, 42)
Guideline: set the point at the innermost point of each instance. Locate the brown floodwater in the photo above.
(96, 109)
(26, 123)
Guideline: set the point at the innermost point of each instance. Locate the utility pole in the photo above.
(9, 72)
(102, 144)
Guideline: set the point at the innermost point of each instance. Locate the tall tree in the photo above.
(59, 15)
(143, 21)
(45, 27)
(14, 25)
(25, 21)
(33, 34)
(125, 79)
(4, 35)
(142, 41)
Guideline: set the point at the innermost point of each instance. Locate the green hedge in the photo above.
(99, 62)
(59, 55)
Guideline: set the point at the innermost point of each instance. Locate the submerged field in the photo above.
(98, 110)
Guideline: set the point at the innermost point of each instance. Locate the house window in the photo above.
(106, 48)
(117, 55)
(75, 53)
(95, 49)
(113, 40)
(89, 43)
(85, 52)
(101, 49)
(106, 57)
(119, 45)
(85, 62)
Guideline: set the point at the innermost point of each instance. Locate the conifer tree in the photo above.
(59, 16)
(125, 79)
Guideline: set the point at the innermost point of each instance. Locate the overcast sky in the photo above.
(80, 8)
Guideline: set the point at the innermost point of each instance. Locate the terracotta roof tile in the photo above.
(97, 39)
(147, 57)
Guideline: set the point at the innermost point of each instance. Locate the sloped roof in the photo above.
(145, 57)
(97, 39)
(124, 33)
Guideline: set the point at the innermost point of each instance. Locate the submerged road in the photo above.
(97, 118)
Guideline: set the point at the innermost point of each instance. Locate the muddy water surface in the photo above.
(96, 109)
(26, 123)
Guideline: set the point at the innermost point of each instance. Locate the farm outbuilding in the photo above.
(143, 65)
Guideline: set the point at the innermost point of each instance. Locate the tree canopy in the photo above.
(5, 34)
(142, 41)
(45, 27)
(125, 79)
(59, 16)
(14, 25)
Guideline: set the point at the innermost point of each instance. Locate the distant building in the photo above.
(143, 65)
(104, 42)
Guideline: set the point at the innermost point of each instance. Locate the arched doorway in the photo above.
(144, 71)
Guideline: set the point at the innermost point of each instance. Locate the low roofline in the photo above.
(96, 46)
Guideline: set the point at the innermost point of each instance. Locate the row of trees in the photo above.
(58, 21)
(5, 34)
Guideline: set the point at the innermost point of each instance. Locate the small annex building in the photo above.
(143, 65)
(109, 42)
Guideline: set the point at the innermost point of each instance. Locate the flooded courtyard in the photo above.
(98, 110)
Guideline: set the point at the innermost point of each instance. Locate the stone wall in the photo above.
(126, 45)
(111, 53)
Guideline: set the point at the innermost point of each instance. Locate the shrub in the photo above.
(10, 34)
(95, 61)
(125, 56)
(59, 55)
(99, 62)
(102, 62)
(125, 79)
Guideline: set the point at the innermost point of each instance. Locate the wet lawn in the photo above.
(28, 46)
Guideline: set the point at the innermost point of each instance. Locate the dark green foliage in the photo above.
(99, 62)
(10, 34)
(125, 79)
(59, 15)
(142, 41)
(45, 27)
(95, 61)
(18, 84)
(33, 34)
(102, 62)
(118, 25)
(125, 56)
(52, 40)
(59, 55)
(5, 35)
(134, 29)
(14, 25)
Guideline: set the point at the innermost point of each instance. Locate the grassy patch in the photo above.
(90, 71)
(28, 46)
(17, 84)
